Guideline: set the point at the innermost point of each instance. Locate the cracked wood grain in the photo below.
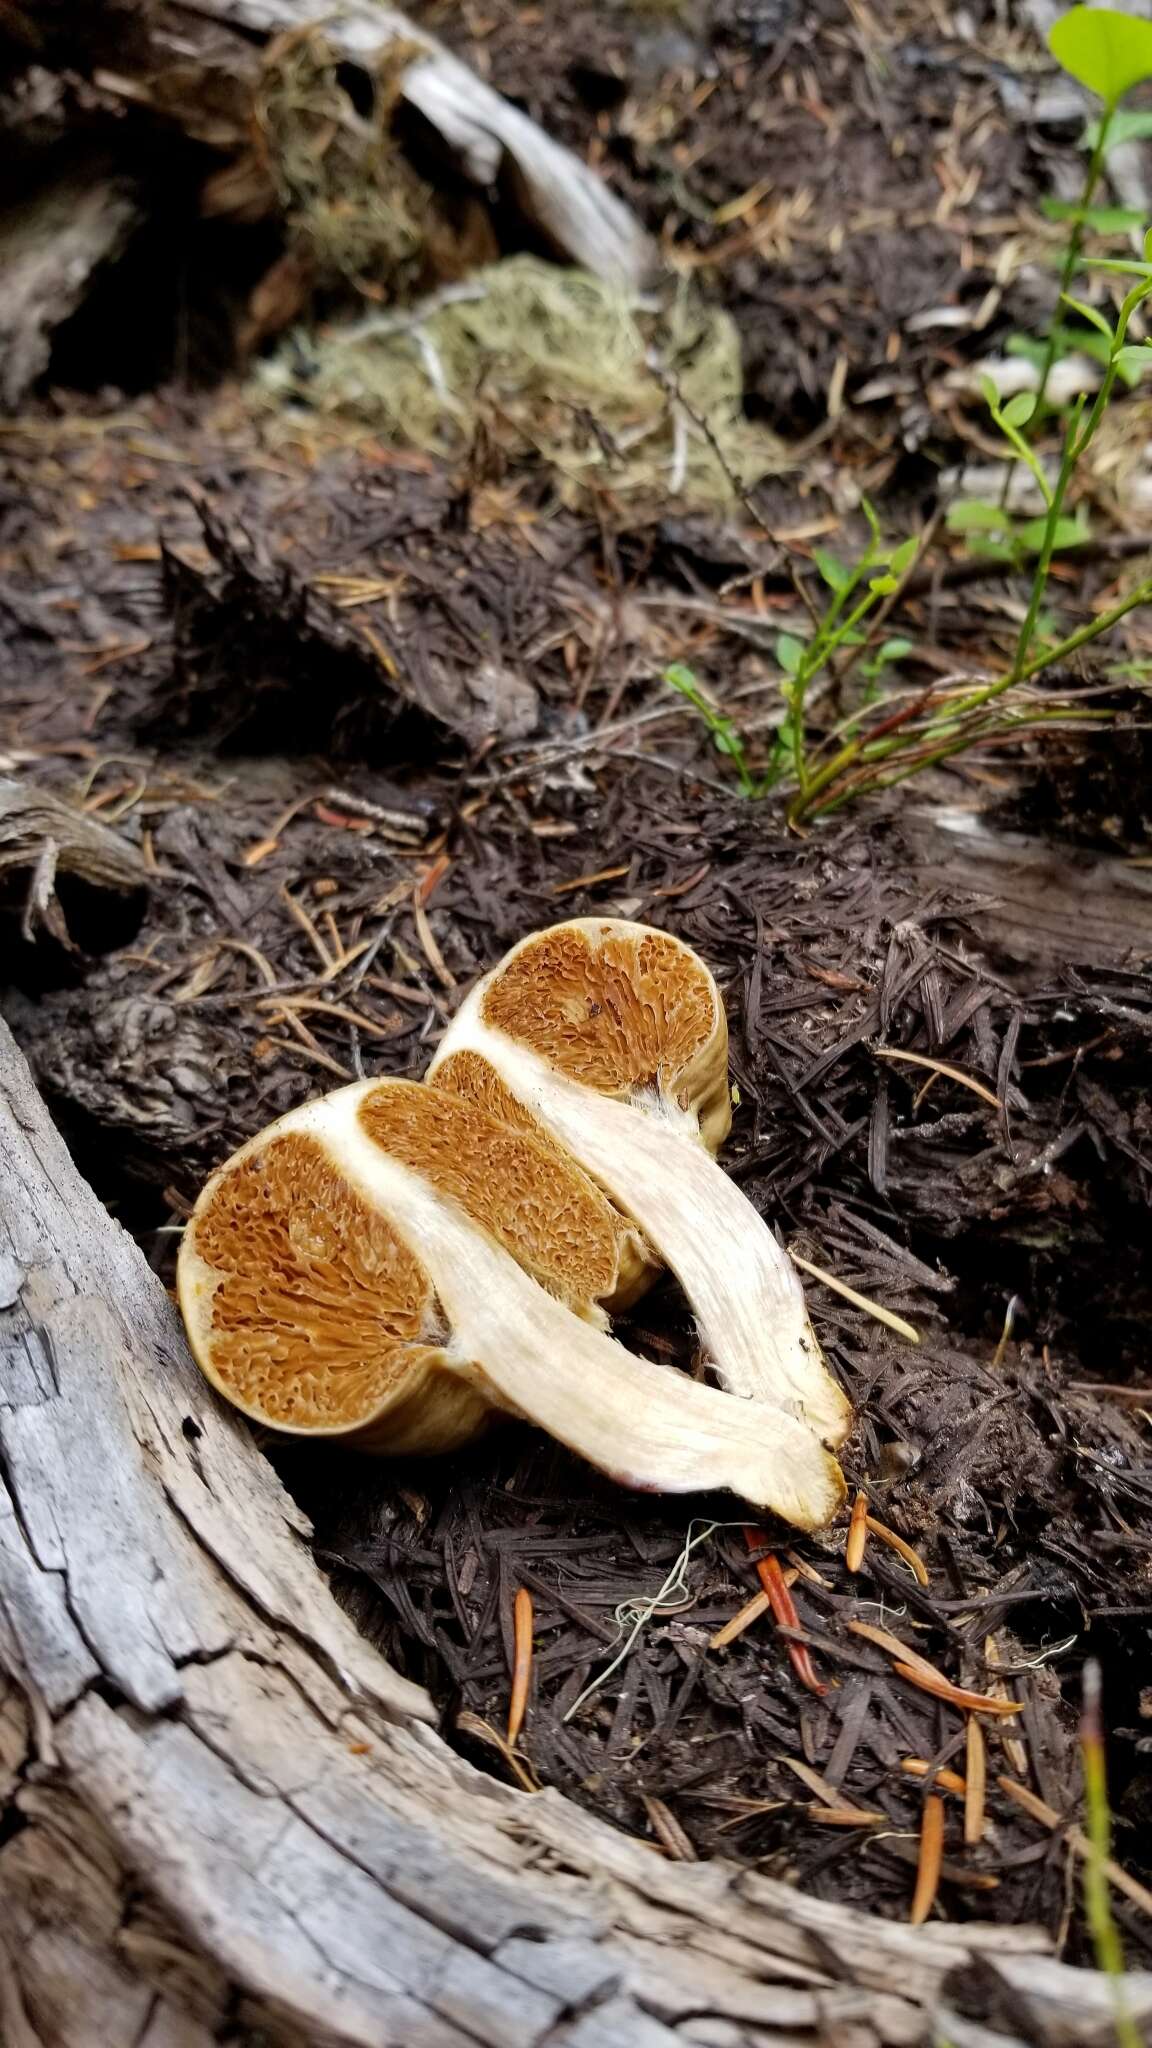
(228, 1820)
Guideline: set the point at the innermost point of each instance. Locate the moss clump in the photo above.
(638, 398)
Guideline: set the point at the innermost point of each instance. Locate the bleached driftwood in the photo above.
(232, 1819)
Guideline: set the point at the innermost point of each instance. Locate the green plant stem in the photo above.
(1097, 1903)
(1043, 563)
(1067, 273)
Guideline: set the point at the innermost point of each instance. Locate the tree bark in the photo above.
(223, 1817)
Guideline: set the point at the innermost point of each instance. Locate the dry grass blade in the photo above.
(885, 1640)
(919, 1059)
(1077, 1840)
(831, 1795)
(976, 1770)
(668, 1829)
(482, 1731)
(857, 1534)
(1015, 1750)
(751, 1611)
(912, 1558)
(432, 953)
(931, 1856)
(873, 1308)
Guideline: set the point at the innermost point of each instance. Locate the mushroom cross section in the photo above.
(612, 1037)
(395, 1265)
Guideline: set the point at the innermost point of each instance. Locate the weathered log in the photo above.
(1046, 903)
(198, 63)
(220, 1810)
(50, 244)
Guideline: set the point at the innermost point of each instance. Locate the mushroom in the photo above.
(393, 1264)
(612, 1037)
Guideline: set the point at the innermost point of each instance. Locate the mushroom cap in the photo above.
(308, 1305)
(631, 1012)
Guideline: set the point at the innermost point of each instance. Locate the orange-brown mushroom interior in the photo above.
(624, 1013)
(508, 1175)
(320, 1311)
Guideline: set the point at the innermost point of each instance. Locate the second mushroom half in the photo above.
(393, 1264)
(612, 1037)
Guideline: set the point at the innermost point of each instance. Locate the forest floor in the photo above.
(369, 717)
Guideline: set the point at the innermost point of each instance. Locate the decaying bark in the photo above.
(233, 1821)
(45, 837)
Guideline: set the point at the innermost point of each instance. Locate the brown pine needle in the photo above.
(1077, 1840)
(976, 1771)
(948, 1781)
(864, 1301)
(771, 1576)
(917, 1670)
(912, 1558)
(846, 1817)
(521, 1663)
(857, 1533)
(931, 1856)
(942, 1688)
(885, 1640)
(751, 1611)
(919, 1059)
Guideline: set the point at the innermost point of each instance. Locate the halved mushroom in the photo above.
(391, 1264)
(613, 1037)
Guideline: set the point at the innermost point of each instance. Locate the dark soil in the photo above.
(316, 683)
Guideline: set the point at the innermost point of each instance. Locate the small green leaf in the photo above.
(1107, 51)
(1137, 357)
(1019, 409)
(904, 556)
(991, 395)
(1069, 533)
(836, 574)
(883, 586)
(971, 515)
(1089, 313)
(789, 652)
(990, 550)
(1104, 220)
(894, 650)
(1124, 127)
(681, 678)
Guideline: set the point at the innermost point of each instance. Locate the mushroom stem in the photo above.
(641, 1424)
(648, 1155)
